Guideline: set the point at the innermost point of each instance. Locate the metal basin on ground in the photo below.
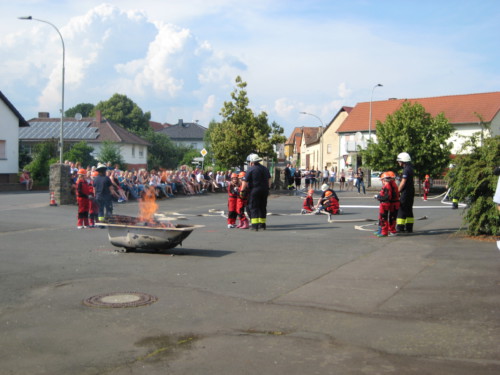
(130, 233)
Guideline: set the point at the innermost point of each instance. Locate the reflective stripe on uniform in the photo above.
(255, 220)
(410, 220)
(400, 221)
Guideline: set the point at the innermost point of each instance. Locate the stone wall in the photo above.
(60, 183)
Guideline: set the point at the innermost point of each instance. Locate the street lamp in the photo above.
(370, 117)
(321, 140)
(29, 18)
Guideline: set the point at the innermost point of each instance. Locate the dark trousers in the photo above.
(257, 206)
(105, 204)
(405, 218)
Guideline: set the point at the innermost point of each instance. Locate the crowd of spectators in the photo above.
(129, 184)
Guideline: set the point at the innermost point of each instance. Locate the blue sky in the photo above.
(179, 59)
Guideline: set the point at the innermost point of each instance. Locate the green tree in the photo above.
(411, 129)
(85, 109)
(81, 152)
(472, 181)
(44, 154)
(123, 111)
(188, 157)
(162, 153)
(110, 152)
(241, 132)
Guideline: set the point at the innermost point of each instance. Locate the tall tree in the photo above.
(110, 153)
(122, 110)
(411, 129)
(85, 109)
(240, 132)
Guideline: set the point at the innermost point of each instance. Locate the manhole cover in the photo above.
(119, 300)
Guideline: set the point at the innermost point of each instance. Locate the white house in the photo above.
(10, 122)
(94, 131)
(466, 113)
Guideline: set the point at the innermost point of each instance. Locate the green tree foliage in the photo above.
(241, 132)
(81, 152)
(188, 157)
(411, 129)
(85, 109)
(110, 152)
(472, 181)
(44, 154)
(163, 153)
(123, 111)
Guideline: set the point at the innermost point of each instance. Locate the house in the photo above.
(310, 148)
(93, 130)
(11, 122)
(330, 140)
(292, 146)
(188, 134)
(466, 113)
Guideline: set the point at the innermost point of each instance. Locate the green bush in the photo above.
(472, 181)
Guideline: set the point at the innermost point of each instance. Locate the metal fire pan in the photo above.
(146, 237)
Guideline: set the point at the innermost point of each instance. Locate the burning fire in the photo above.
(148, 206)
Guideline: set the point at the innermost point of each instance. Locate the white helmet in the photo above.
(404, 157)
(252, 158)
(324, 187)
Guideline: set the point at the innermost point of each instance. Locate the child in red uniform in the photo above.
(232, 202)
(387, 209)
(427, 186)
(331, 204)
(308, 204)
(393, 214)
(93, 206)
(241, 204)
(82, 197)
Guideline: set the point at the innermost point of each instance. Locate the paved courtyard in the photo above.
(304, 297)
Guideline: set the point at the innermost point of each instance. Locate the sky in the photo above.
(179, 59)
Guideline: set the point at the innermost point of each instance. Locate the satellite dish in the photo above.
(358, 136)
(78, 116)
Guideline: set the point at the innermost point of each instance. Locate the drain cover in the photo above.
(120, 300)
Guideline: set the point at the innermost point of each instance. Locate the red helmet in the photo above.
(328, 193)
(82, 171)
(242, 174)
(234, 175)
(427, 176)
(382, 176)
(311, 191)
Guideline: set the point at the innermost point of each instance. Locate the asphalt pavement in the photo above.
(306, 296)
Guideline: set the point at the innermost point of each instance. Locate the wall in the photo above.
(9, 132)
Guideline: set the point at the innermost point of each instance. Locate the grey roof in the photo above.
(73, 130)
(186, 130)
(88, 129)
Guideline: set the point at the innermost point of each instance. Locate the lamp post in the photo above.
(370, 117)
(29, 18)
(321, 137)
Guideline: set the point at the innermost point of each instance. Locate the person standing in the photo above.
(406, 188)
(288, 178)
(427, 186)
(232, 201)
(103, 188)
(258, 183)
(82, 197)
(360, 176)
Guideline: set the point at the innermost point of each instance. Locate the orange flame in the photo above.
(148, 206)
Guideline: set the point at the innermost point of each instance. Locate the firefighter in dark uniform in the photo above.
(258, 182)
(405, 218)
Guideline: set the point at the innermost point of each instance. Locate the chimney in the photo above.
(181, 122)
(98, 116)
(43, 115)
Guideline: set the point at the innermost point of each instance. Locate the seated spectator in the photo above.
(25, 179)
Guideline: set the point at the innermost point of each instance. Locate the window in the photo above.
(141, 152)
(328, 149)
(2, 150)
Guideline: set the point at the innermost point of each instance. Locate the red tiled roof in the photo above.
(156, 125)
(458, 109)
